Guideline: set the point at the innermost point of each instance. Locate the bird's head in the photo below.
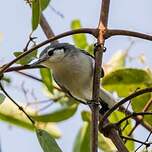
(54, 53)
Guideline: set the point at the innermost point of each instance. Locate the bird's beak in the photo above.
(38, 62)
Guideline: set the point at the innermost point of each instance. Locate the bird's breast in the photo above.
(76, 79)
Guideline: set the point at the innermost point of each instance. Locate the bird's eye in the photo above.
(50, 53)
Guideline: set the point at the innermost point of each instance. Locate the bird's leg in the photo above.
(91, 102)
(103, 105)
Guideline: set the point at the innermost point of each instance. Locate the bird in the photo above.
(73, 71)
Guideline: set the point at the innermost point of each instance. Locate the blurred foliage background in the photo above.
(125, 72)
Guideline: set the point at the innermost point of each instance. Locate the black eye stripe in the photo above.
(50, 53)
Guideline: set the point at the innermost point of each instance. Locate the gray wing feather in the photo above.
(67, 91)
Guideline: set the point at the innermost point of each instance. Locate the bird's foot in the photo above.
(92, 102)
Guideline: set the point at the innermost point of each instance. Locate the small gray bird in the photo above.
(73, 71)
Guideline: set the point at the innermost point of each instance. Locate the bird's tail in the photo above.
(107, 98)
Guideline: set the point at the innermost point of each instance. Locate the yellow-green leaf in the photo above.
(115, 117)
(140, 102)
(47, 78)
(127, 80)
(86, 116)
(80, 40)
(10, 113)
(44, 4)
(82, 141)
(57, 116)
(47, 142)
(26, 59)
(105, 144)
(36, 13)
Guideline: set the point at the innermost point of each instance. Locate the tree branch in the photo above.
(102, 26)
(134, 114)
(98, 51)
(133, 95)
(114, 32)
(82, 30)
(116, 139)
(102, 125)
(24, 67)
(46, 28)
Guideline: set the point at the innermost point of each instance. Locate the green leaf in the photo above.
(82, 141)
(140, 102)
(57, 116)
(90, 48)
(105, 144)
(10, 113)
(47, 78)
(36, 13)
(26, 59)
(44, 4)
(80, 40)
(2, 98)
(86, 116)
(126, 81)
(47, 142)
(115, 117)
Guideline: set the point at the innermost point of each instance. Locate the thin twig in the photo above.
(30, 76)
(31, 39)
(56, 11)
(146, 107)
(135, 140)
(148, 104)
(39, 80)
(20, 108)
(134, 114)
(138, 119)
(133, 129)
(144, 142)
(45, 107)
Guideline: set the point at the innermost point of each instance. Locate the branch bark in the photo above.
(24, 67)
(117, 32)
(82, 30)
(97, 71)
(47, 28)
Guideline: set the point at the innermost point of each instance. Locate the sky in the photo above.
(15, 27)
